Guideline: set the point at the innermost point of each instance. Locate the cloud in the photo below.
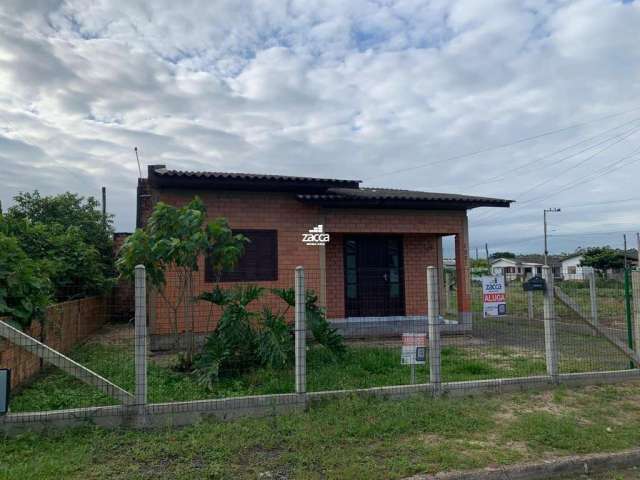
(358, 89)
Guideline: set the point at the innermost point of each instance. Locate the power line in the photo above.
(569, 185)
(536, 161)
(501, 146)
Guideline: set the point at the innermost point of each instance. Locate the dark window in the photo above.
(259, 262)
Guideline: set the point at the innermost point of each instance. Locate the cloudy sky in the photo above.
(537, 101)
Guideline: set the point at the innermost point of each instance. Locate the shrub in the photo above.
(245, 339)
(25, 290)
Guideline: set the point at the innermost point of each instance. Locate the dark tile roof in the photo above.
(247, 178)
(323, 191)
(387, 196)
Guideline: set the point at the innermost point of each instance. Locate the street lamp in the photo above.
(546, 250)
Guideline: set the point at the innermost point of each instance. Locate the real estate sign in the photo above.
(494, 300)
(414, 348)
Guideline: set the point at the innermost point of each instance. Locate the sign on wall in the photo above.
(316, 236)
(5, 386)
(414, 348)
(494, 301)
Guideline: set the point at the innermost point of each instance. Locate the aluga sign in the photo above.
(316, 236)
(494, 302)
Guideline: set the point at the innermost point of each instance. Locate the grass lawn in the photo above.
(341, 439)
(363, 366)
(609, 301)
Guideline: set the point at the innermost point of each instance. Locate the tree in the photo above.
(25, 290)
(173, 241)
(69, 210)
(603, 258)
(495, 255)
(73, 266)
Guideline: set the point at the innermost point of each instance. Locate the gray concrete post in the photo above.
(141, 353)
(635, 286)
(300, 333)
(593, 297)
(530, 305)
(447, 292)
(550, 338)
(433, 320)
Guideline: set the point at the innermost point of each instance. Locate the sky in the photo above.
(531, 100)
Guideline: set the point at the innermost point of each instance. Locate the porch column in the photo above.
(463, 275)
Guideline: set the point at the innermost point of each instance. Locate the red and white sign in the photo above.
(494, 299)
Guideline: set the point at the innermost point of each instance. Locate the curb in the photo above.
(575, 465)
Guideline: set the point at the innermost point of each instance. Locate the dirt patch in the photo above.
(114, 334)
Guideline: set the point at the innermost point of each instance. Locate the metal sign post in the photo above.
(5, 389)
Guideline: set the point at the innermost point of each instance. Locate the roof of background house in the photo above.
(321, 191)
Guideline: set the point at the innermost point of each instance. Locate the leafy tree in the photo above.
(25, 290)
(173, 241)
(69, 210)
(73, 266)
(495, 255)
(480, 263)
(603, 258)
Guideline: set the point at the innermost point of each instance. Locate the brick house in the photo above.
(373, 266)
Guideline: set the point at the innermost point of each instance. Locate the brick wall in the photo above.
(282, 211)
(65, 325)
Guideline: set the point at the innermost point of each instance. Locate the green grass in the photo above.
(610, 301)
(362, 367)
(348, 438)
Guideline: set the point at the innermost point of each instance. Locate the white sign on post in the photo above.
(494, 301)
(414, 349)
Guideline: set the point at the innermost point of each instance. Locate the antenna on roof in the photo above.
(138, 160)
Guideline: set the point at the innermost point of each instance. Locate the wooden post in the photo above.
(141, 353)
(300, 333)
(433, 319)
(550, 339)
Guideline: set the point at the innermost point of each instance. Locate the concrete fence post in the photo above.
(447, 292)
(140, 333)
(635, 285)
(433, 320)
(530, 305)
(550, 338)
(300, 333)
(593, 297)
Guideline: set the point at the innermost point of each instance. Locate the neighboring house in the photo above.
(449, 263)
(374, 265)
(513, 268)
(572, 268)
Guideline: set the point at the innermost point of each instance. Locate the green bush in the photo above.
(245, 339)
(25, 290)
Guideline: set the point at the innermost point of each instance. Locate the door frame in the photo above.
(402, 300)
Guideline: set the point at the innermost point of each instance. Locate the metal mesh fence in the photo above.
(222, 337)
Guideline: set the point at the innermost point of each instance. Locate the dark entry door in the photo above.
(373, 269)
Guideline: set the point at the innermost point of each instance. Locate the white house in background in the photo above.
(572, 269)
(514, 269)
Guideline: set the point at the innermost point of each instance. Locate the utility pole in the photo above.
(477, 254)
(546, 249)
(638, 249)
(104, 207)
(486, 250)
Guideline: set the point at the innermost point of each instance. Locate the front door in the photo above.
(373, 276)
